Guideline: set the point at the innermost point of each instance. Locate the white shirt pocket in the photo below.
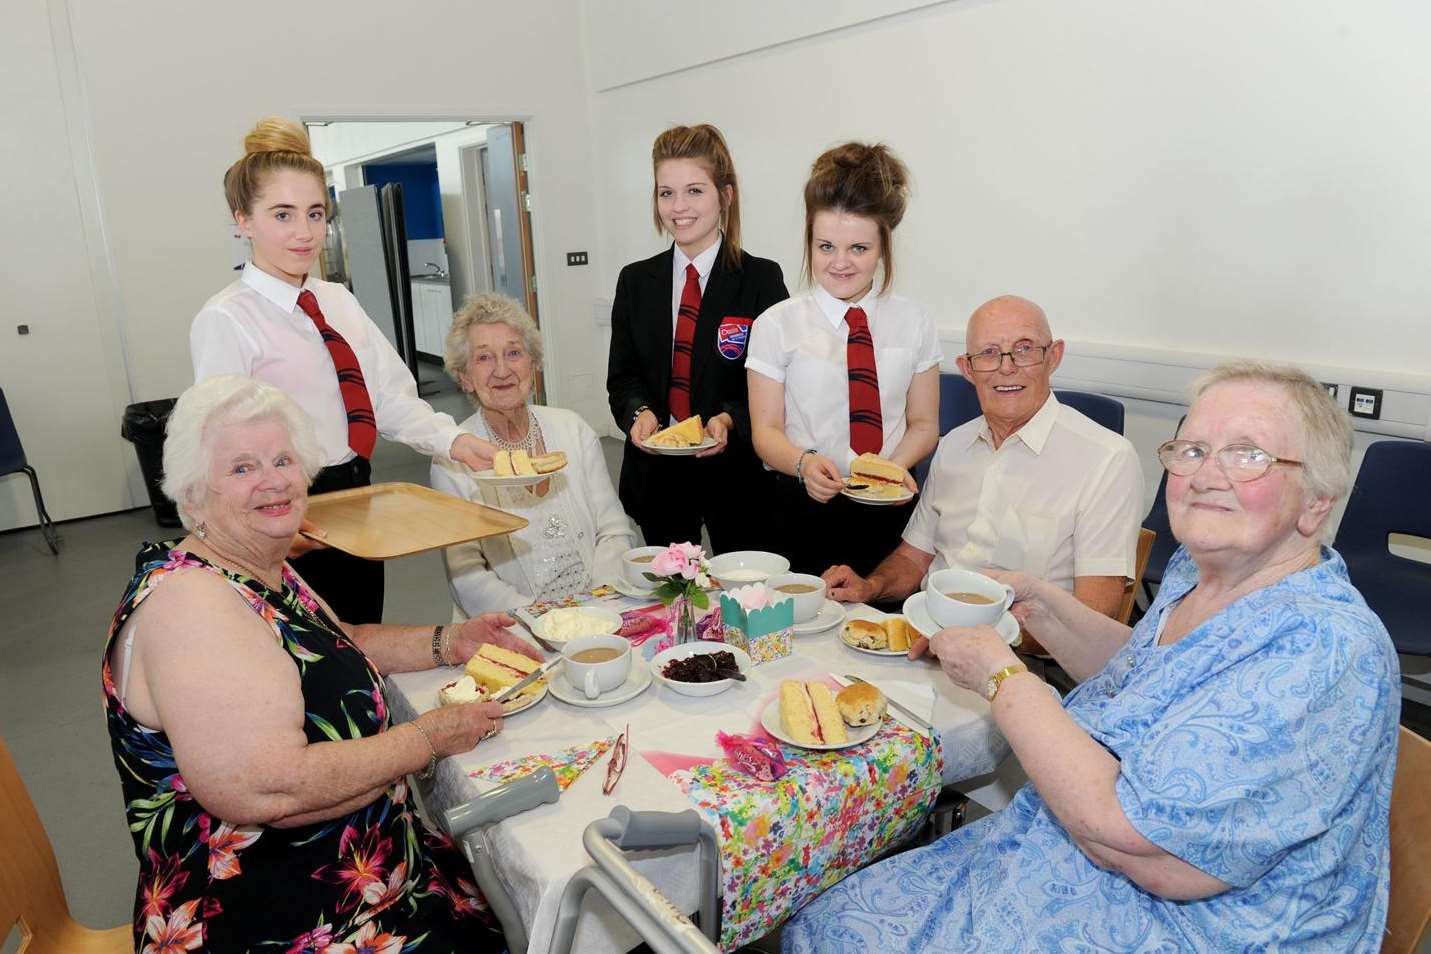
(1027, 541)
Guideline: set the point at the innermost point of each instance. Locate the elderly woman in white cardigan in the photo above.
(576, 528)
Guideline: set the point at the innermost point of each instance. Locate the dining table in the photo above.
(781, 842)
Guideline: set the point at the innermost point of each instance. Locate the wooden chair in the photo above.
(1146, 538)
(32, 899)
(1409, 913)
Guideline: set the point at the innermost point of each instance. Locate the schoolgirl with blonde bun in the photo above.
(282, 324)
(846, 368)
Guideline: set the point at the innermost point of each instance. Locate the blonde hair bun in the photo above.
(277, 134)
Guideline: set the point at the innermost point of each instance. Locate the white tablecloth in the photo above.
(538, 851)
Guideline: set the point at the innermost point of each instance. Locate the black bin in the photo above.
(144, 428)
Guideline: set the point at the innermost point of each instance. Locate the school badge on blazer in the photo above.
(732, 336)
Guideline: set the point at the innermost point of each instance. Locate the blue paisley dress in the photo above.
(1259, 748)
(372, 882)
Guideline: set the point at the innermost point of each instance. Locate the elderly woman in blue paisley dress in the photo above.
(1221, 779)
(264, 785)
(576, 530)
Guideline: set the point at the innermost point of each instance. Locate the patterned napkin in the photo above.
(568, 764)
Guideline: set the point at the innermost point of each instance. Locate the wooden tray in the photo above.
(398, 519)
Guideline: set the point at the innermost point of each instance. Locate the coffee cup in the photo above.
(807, 592)
(588, 672)
(957, 597)
(636, 562)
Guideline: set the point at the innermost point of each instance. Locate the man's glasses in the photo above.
(617, 765)
(1024, 354)
(1240, 462)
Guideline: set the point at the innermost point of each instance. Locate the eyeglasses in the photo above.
(617, 765)
(1240, 462)
(1024, 354)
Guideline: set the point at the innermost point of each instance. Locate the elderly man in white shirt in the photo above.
(1031, 485)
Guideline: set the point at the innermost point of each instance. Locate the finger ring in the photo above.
(491, 731)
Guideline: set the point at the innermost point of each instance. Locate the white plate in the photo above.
(626, 589)
(861, 497)
(489, 478)
(523, 700)
(831, 614)
(658, 662)
(637, 681)
(865, 612)
(920, 619)
(770, 719)
(706, 444)
(610, 622)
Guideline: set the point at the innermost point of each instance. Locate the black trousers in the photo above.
(821, 535)
(670, 498)
(352, 586)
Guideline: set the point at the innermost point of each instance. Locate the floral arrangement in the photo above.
(681, 572)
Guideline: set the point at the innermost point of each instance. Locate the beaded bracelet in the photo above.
(800, 463)
(439, 647)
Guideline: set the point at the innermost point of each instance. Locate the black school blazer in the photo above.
(638, 369)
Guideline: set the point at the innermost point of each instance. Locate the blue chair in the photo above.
(12, 461)
(958, 402)
(1096, 407)
(1391, 496)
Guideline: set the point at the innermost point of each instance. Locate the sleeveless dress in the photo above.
(375, 880)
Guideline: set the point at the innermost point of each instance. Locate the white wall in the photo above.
(1221, 177)
(169, 98)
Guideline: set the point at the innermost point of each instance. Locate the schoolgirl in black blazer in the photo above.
(664, 366)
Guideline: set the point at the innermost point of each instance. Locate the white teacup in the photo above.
(595, 677)
(947, 610)
(637, 561)
(808, 602)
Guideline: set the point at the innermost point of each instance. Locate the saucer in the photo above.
(637, 681)
(626, 589)
(831, 614)
(855, 734)
(919, 618)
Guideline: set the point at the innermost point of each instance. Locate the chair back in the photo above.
(958, 401)
(1146, 538)
(1390, 495)
(1098, 408)
(31, 895)
(12, 455)
(1409, 912)
(1157, 521)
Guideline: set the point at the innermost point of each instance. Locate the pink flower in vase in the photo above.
(668, 562)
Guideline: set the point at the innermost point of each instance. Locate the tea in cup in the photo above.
(636, 562)
(955, 597)
(807, 591)
(596, 664)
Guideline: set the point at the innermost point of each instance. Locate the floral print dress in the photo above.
(375, 880)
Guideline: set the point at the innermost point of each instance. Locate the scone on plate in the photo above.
(866, 634)
(861, 704)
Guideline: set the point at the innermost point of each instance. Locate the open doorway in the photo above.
(428, 213)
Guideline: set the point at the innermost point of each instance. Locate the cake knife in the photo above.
(536, 674)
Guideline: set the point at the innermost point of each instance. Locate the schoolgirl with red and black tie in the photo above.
(680, 327)
(844, 369)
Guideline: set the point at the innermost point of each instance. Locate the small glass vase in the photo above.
(683, 621)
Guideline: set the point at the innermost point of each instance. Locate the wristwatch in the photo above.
(991, 688)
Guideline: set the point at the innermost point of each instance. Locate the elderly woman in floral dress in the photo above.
(263, 782)
(1221, 779)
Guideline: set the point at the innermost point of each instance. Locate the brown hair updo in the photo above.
(274, 143)
(864, 180)
(704, 144)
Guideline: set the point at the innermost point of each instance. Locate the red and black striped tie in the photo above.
(866, 423)
(362, 425)
(680, 393)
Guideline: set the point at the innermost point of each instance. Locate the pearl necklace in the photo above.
(527, 443)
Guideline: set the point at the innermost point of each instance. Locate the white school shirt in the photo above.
(801, 343)
(1061, 498)
(254, 327)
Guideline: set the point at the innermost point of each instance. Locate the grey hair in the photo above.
(226, 399)
(488, 308)
(1326, 463)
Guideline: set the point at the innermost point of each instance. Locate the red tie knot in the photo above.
(309, 303)
(692, 274)
(855, 318)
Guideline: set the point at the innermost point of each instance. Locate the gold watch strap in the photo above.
(991, 688)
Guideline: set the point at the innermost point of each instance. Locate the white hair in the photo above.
(488, 308)
(213, 403)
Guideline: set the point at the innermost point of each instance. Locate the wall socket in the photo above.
(1365, 402)
(576, 258)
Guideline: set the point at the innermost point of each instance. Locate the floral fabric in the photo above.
(1259, 748)
(567, 765)
(784, 842)
(373, 881)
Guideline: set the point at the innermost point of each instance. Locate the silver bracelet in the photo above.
(428, 772)
(800, 463)
(438, 646)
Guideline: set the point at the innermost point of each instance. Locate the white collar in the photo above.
(276, 290)
(834, 309)
(704, 262)
(1033, 434)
